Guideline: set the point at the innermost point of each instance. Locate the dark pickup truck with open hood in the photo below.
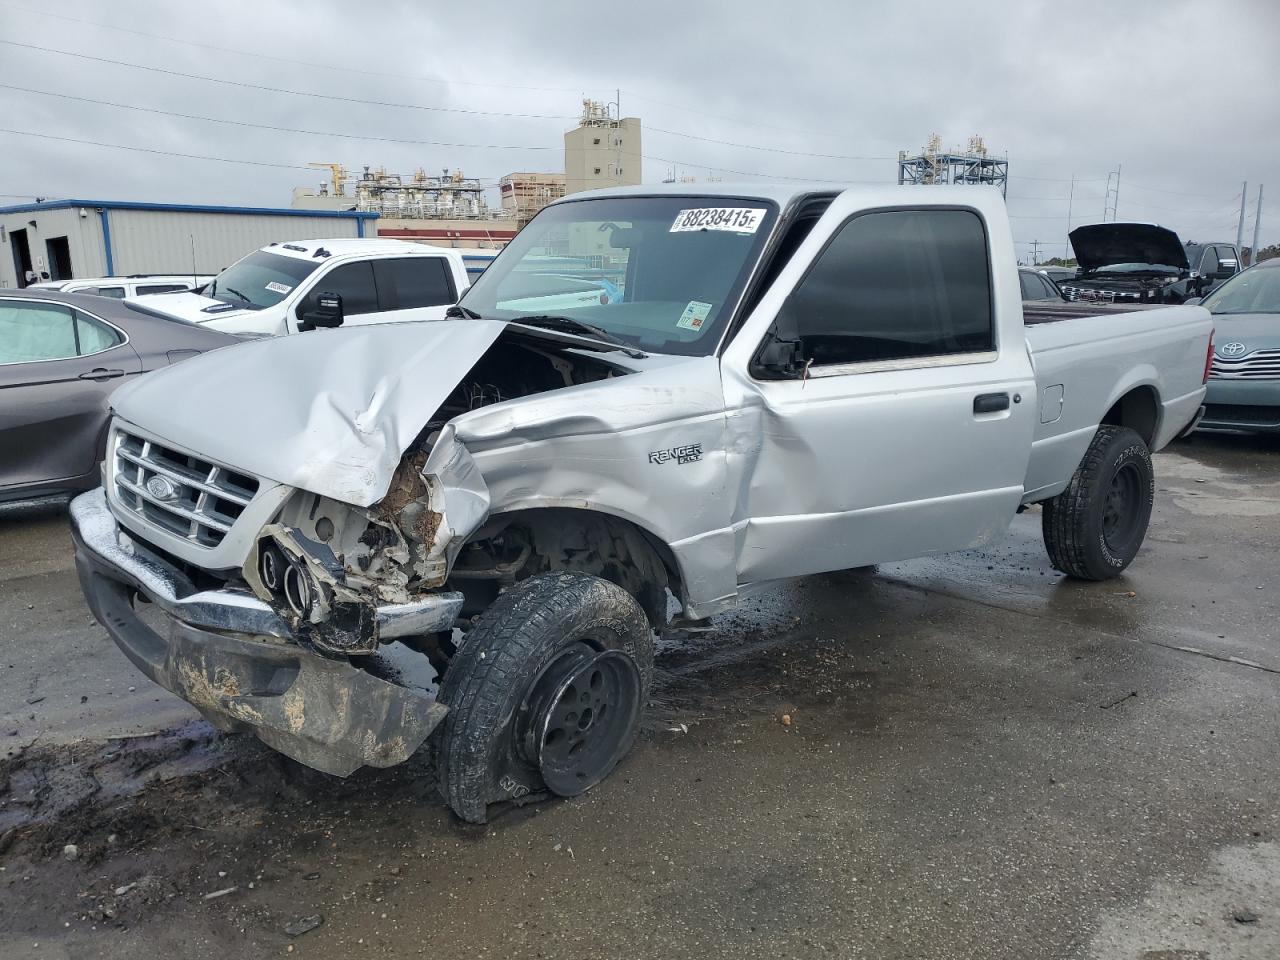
(1132, 263)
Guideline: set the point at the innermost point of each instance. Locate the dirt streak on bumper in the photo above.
(325, 713)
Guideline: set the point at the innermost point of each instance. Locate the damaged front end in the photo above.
(348, 578)
(276, 603)
(283, 648)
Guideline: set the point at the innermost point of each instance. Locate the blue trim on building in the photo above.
(359, 215)
(104, 215)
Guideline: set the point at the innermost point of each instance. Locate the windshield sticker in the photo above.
(694, 316)
(731, 219)
(278, 287)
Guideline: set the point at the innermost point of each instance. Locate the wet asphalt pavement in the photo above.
(982, 759)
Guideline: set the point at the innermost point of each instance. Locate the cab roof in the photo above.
(784, 194)
(350, 246)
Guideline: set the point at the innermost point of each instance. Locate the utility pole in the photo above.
(1257, 223)
(1035, 252)
(1244, 195)
(1070, 200)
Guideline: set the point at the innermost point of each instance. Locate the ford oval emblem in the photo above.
(1233, 349)
(162, 488)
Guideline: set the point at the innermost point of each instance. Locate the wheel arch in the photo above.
(595, 539)
(1138, 408)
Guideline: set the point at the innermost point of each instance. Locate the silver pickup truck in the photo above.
(652, 401)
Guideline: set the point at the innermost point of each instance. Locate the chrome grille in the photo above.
(1090, 295)
(1259, 365)
(184, 495)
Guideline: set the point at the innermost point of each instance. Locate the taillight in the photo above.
(1208, 357)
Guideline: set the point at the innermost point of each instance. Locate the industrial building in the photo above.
(971, 164)
(602, 151)
(70, 239)
(450, 210)
(524, 194)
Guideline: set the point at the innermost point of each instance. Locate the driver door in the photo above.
(910, 431)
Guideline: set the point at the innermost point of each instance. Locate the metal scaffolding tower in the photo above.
(972, 164)
(1112, 202)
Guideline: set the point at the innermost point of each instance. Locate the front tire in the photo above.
(1094, 528)
(544, 694)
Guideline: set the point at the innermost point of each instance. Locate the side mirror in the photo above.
(781, 355)
(327, 312)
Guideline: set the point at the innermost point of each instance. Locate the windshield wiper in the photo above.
(458, 310)
(572, 325)
(238, 294)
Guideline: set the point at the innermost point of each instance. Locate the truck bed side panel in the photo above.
(1092, 362)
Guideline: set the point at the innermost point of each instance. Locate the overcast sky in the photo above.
(1182, 97)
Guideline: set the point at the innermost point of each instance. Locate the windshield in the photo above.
(259, 280)
(658, 273)
(1256, 290)
(1139, 268)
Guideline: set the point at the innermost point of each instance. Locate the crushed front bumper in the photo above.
(233, 658)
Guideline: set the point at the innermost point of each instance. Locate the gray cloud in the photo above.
(1181, 95)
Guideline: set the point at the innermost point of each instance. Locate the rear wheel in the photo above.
(544, 694)
(1094, 528)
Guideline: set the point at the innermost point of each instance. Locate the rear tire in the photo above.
(1094, 528)
(514, 686)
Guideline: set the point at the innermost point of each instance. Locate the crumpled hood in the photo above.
(1102, 244)
(329, 411)
(192, 307)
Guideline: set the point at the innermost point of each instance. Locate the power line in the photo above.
(397, 76)
(260, 126)
(751, 146)
(272, 127)
(187, 156)
(402, 140)
(297, 93)
(1177, 193)
(417, 78)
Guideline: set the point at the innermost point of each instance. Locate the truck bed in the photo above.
(1048, 311)
(1105, 352)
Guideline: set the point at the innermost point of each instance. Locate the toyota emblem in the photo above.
(1233, 349)
(162, 488)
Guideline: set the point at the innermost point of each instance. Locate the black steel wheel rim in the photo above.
(584, 710)
(1121, 507)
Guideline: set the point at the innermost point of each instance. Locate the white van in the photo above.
(302, 284)
(120, 288)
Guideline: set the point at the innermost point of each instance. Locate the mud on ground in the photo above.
(958, 757)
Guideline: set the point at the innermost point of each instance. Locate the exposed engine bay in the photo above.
(324, 564)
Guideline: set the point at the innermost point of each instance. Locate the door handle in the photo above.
(990, 402)
(101, 373)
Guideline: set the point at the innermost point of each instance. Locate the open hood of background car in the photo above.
(328, 411)
(1103, 244)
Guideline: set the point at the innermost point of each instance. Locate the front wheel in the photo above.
(1094, 528)
(544, 694)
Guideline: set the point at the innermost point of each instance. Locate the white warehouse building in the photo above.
(73, 239)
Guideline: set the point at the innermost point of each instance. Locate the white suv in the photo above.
(302, 284)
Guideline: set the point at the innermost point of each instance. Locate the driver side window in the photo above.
(351, 281)
(897, 285)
